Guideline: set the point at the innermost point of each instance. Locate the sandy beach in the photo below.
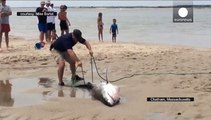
(150, 71)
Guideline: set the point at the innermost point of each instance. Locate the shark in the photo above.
(105, 92)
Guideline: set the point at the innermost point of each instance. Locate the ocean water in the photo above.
(148, 25)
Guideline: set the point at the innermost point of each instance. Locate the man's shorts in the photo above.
(5, 27)
(62, 56)
(114, 34)
(50, 26)
(42, 27)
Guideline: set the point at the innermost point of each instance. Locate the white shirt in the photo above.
(50, 19)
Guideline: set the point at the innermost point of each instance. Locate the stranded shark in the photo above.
(106, 93)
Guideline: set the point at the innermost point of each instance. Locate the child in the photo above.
(114, 30)
(100, 26)
(64, 22)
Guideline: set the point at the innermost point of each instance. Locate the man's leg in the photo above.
(49, 35)
(61, 65)
(101, 35)
(46, 36)
(112, 37)
(41, 36)
(73, 69)
(7, 39)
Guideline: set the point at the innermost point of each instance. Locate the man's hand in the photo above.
(78, 64)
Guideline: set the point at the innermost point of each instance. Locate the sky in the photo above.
(97, 3)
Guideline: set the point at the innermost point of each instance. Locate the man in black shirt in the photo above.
(42, 21)
(64, 46)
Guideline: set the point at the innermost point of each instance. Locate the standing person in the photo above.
(53, 17)
(100, 26)
(114, 30)
(49, 21)
(64, 47)
(64, 21)
(42, 21)
(5, 26)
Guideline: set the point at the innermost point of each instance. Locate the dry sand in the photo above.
(154, 70)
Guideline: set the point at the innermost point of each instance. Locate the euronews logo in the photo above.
(183, 13)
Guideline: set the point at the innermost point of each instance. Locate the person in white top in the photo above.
(5, 26)
(50, 21)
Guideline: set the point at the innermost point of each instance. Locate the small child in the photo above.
(114, 30)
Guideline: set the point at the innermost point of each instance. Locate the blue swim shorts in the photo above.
(42, 27)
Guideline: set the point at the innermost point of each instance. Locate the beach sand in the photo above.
(149, 71)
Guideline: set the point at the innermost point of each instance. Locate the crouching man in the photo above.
(63, 46)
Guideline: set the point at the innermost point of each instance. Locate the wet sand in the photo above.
(148, 71)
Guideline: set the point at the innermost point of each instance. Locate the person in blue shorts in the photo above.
(114, 30)
(42, 21)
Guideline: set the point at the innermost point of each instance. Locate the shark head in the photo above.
(110, 94)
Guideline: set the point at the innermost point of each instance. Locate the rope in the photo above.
(133, 75)
(92, 69)
(97, 69)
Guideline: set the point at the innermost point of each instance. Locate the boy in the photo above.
(114, 30)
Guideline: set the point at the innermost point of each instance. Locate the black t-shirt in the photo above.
(65, 42)
(42, 19)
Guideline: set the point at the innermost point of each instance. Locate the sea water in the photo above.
(136, 25)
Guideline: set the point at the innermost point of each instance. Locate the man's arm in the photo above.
(3, 14)
(117, 29)
(88, 46)
(10, 12)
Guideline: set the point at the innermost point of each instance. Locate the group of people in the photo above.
(62, 45)
(113, 29)
(46, 24)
